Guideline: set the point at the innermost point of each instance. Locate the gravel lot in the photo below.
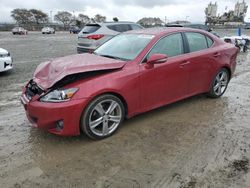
(198, 142)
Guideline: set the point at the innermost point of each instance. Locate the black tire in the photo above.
(245, 48)
(89, 112)
(214, 93)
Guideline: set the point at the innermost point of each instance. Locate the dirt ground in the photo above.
(198, 142)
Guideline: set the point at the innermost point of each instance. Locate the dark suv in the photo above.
(94, 35)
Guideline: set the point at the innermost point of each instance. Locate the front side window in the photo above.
(171, 45)
(196, 41)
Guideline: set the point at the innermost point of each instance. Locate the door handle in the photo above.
(217, 54)
(184, 63)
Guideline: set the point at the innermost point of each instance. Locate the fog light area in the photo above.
(59, 125)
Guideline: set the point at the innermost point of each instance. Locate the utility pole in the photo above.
(51, 16)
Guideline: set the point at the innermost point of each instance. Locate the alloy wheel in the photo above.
(105, 117)
(220, 83)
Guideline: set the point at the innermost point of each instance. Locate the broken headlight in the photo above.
(59, 95)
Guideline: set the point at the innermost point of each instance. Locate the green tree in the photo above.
(84, 19)
(65, 18)
(99, 18)
(22, 16)
(39, 17)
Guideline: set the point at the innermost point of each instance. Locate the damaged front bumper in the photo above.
(58, 118)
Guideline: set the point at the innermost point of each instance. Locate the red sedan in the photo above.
(134, 72)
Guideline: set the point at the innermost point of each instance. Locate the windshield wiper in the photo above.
(112, 57)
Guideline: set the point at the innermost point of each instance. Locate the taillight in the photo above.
(95, 37)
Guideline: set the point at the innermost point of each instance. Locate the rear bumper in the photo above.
(81, 49)
(47, 115)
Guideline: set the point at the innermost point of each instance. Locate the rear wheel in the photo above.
(219, 84)
(102, 117)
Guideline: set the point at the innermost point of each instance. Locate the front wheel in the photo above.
(102, 117)
(219, 84)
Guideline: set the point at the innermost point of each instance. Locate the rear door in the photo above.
(166, 82)
(202, 62)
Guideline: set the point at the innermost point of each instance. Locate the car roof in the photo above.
(163, 30)
(112, 23)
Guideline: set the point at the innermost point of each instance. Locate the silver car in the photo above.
(94, 35)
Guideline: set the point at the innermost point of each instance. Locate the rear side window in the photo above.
(210, 42)
(120, 27)
(134, 26)
(171, 45)
(90, 28)
(196, 41)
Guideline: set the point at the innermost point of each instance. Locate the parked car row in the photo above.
(22, 31)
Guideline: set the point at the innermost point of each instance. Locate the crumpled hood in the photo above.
(49, 73)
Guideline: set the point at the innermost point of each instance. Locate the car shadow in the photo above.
(138, 119)
(6, 73)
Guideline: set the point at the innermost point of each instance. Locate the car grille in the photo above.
(32, 90)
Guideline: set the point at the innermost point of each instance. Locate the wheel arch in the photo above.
(118, 95)
(229, 71)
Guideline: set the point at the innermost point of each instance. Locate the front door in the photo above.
(166, 82)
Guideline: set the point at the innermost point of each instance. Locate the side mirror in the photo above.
(157, 59)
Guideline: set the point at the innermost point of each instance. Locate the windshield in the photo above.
(124, 46)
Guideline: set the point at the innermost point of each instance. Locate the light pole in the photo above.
(74, 18)
(51, 17)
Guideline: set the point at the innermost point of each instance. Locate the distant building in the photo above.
(211, 10)
(240, 9)
(232, 17)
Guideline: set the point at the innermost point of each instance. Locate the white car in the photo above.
(48, 30)
(19, 31)
(242, 42)
(5, 60)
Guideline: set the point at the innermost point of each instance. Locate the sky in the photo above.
(125, 10)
